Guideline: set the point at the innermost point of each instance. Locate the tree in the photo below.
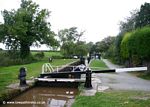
(69, 39)
(129, 24)
(80, 49)
(106, 43)
(90, 47)
(26, 26)
(67, 49)
(70, 34)
(143, 17)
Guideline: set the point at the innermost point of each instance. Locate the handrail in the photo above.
(47, 68)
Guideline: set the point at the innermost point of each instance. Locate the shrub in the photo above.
(141, 38)
(39, 55)
(125, 46)
(6, 59)
(135, 46)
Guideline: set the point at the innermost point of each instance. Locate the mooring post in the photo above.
(88, 83)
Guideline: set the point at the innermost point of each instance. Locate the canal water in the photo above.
(44, 97)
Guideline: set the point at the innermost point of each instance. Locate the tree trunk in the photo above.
(24, 50)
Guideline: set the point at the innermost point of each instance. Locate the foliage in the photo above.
(26, 26)
(110, 52)
(124, 46)
(143, 17)
(105, 46)
(105, 43)
(69, 35)
(11, 58)
(138, 19)
(134, 49)
(48, 54)
(117, 54)
(140, 46)
(90, 47)
(136, 43)
(71, 44)
(68, 49)
(80, 49)
(129, 23)
(39, 55)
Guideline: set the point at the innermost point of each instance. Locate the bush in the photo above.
(125, 46)
(57, 57)
(135, 46)
(39, 55)
(8, 59)
(139, 43)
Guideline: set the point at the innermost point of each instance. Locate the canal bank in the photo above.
(14, 90)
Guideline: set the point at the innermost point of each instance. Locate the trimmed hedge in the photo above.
(125, 46)
(135, 46)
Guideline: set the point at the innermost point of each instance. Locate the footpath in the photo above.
(122, 81)
(115, 81)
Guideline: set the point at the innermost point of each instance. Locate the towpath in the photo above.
(122, 81)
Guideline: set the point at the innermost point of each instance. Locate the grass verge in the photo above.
(114, 99)
(141, 74)
(98, 65)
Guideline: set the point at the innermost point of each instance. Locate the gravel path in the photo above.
(122, 81)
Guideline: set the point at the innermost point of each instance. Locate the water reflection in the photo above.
(44, 97)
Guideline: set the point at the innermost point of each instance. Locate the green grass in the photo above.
(98, 63)
(141, 74)
(114, 99)
(9, 74)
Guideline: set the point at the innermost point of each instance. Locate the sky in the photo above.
(98, 18)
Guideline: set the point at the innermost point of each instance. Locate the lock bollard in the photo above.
(88, 83)
(22, 76)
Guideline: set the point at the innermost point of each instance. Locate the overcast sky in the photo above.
(99, 18)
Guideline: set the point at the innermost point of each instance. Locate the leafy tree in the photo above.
(69, 35)
(81, 48)
(69, 39)
(90, 47)
(67, 49)
(26, 26)
(143, 17)
(104, 45)
(129, 24)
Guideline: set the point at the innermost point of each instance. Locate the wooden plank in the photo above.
(59, 80)
(131, 69)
